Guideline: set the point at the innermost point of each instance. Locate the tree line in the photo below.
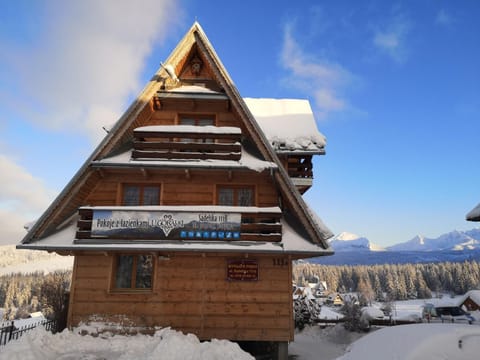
(22, 294)
(392, 281)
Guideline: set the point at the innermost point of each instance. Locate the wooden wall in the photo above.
(191, 294)
(199, 188)
(190, 291)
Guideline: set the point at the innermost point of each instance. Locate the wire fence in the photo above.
(10, 332)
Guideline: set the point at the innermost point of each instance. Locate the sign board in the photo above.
(163, 225)
(242, 270)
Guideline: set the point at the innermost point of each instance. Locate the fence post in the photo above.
(12, 326)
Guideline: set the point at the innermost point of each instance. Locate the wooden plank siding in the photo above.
(178, 189)
(191, 294)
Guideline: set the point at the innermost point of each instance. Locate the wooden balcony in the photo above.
(187, 142)
(300, 170)
(255, 224)
(300, 166)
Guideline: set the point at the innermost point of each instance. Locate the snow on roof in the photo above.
(472, 294)
(247, 161)
(288, 124)
(207, 129)
(29, 225)
(192, 91)
(194, 208)
(319, 223)
(369, 313)
(327, 313)
(474, 214)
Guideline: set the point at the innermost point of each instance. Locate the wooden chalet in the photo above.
(470, 301)
(189, 212)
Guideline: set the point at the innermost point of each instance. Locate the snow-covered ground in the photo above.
(327, 344)
(418, 342)
(404, 342)
(165, 344)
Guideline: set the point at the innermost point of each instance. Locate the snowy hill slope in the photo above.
(27, 261)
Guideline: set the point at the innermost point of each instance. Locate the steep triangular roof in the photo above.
(118, 136)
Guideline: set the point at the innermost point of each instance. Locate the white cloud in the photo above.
(391, 39)
(88, 60)
(79, 74)
(22, 199)
(325, 80)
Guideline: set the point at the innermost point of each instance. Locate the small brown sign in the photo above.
(242, 270)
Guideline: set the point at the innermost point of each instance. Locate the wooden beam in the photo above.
(100, 172)
(157, 104)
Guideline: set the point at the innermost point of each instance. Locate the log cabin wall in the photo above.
(190, 294)
(177, 188)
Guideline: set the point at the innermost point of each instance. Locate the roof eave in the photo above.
(242, 248)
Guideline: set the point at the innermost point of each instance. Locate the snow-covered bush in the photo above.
(352, 312)
(305, 311)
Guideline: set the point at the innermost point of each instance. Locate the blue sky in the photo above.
(395, 88)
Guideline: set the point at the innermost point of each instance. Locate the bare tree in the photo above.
(53, 293)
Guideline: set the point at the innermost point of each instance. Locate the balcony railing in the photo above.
(244, 224)
(187, 142)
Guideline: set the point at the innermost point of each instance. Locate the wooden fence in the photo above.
(11, 332)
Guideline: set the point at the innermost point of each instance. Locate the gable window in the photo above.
(235, 196)
(197, 120)
(133, 272)
(134, 195)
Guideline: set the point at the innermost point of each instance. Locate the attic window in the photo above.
(134, 195)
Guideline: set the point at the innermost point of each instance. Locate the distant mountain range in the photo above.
(454, 240)
(351, 249)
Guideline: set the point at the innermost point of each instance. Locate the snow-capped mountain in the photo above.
(455, 246)
(346, 241)
(454, 240)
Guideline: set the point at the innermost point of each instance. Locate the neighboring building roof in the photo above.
(314, 233)
(472, 294)
(474, 214)
(289, 125)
